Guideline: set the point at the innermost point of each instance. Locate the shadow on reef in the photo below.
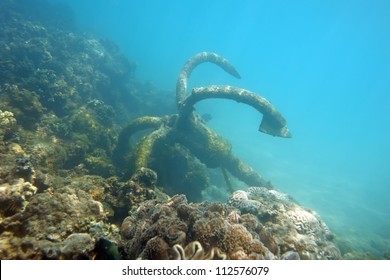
(181, 146)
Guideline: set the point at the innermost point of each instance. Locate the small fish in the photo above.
(207, 117)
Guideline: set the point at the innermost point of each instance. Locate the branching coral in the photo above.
(185, 138)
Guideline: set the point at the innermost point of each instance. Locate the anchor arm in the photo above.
(273, 123)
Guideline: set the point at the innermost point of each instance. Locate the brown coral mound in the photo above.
(257, 224)
(168, 231)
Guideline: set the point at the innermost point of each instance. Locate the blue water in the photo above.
(324, 64)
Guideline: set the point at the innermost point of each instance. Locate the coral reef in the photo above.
(40, 226)
(44, 217)
(65, 89)
(66, 222)
(76, 221)
(54, 215)
(69, 179)
(176, 229)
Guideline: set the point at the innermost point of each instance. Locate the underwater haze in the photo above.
(324, 64)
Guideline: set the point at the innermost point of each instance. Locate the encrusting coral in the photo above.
(188, 139)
